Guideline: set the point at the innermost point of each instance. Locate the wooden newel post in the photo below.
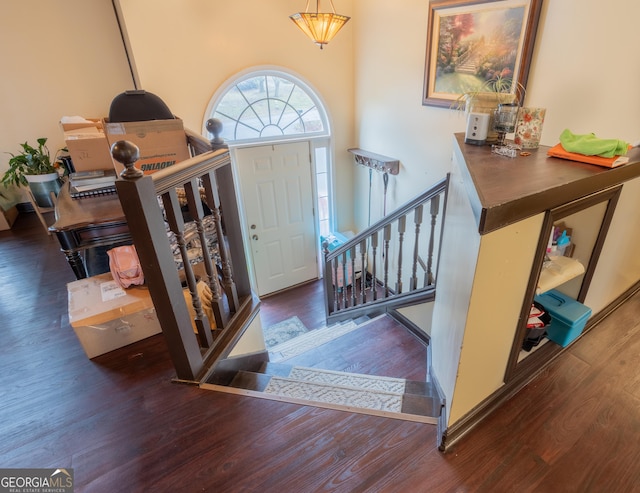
(329, 276)
(127, 153)
(139, 202)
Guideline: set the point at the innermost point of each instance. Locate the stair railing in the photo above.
(368, 273)
(160, 205)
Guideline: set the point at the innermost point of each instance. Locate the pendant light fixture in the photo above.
(320, 27)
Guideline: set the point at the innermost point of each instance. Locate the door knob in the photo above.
(255, 237)
(253, 226)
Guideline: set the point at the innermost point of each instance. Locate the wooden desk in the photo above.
(87, 223)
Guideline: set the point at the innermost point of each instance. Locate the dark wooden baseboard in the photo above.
(413, 328)
(447, 437)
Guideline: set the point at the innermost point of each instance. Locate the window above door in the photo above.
(268, 105)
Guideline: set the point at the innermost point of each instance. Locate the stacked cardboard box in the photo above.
(87, 143)
(106, 317)
(162, 143)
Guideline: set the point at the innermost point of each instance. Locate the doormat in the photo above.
(283, 331)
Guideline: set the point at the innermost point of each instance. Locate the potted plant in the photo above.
(34, 168)
(486, 99)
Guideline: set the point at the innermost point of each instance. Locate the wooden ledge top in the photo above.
(505, 190)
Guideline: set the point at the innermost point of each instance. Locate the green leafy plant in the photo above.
(31, 161)
(496, 90)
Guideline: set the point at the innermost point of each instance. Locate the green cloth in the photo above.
(590, 145)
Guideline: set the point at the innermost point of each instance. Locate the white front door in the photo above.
(278, 203)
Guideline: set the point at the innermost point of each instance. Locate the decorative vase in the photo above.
(42, 186)
(529, 127)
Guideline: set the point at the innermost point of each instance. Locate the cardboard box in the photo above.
(7, 218)
(87, 144)
(106, 317)
(162, 143)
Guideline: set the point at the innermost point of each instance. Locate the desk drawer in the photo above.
(104, 233)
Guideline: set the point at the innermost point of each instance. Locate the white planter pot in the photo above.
(42, 186)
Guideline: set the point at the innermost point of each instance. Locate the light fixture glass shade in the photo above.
(321, 28)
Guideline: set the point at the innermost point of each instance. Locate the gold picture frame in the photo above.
(473, 43)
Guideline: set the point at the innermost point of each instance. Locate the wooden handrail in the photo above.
(434, 191)
(348, 294)
(204, 179)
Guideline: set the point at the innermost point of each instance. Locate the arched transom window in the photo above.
(268, 105)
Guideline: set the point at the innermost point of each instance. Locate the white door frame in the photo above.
(313, 143)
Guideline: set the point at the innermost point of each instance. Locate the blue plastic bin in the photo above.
(334, 240)
(568, 317)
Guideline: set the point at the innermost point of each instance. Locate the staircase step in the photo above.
(343, 396)
(347, 380)
(314, 338)
(279, 369)
(250, 380)
(362, 319)
(342, 390)
(411, 387)
(354, 392)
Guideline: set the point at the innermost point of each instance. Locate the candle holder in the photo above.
(504, 120)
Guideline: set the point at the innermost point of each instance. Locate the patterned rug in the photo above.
(346, 390)
(283, 331)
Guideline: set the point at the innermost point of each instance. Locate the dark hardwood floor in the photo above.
(358, 351)
(121, 424)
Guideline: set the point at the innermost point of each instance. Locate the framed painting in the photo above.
(478, 46)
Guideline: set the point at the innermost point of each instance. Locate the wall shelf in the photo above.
(377, 162)
(557, 271)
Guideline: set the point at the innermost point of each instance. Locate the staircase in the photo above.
(314, 338)
(371, 275)
(343, 391)
(385, 266)
(275, 377)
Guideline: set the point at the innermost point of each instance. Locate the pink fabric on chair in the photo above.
(125, 266)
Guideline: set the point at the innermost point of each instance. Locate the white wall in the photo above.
(71, 61)
(58, 58)
(390, 42)
(583, 71)
(184, 51)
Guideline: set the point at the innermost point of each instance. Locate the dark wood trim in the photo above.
(238, 325)
(538, 260)
(506, 190)
(381, 305)
(412, 327)
(611, 196)
(442, 419)
(409, 206)
(146, 224)
(548, 353)
(614, 195)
